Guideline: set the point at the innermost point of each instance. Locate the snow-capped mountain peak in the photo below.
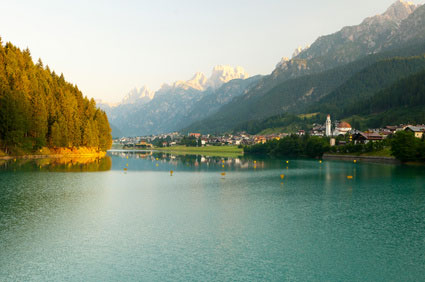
(198, 82)
(224, 73)
(142, 95)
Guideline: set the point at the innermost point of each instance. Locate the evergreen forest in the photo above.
(38, 108)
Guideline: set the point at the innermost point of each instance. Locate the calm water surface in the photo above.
(92, 221)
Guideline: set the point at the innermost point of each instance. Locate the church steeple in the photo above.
(328, 126)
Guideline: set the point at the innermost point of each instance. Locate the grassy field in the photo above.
(386, 152)
(218, 151)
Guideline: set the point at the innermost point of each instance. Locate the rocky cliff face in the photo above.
(138, 96)
(373, 35)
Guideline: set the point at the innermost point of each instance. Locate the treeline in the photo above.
(38, 108)
(403, 145)
(292, 146)
(190, 141)
(283, 122)
(407, 148)
(353, 95)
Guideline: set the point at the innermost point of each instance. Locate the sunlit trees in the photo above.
(39, 108)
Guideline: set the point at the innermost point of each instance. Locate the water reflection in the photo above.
(149, 160)
(74, 164)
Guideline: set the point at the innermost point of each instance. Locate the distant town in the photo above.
(329, 129)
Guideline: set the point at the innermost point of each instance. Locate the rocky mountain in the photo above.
(138, 96)
(173, 106)
(373, 35)
(329, 62)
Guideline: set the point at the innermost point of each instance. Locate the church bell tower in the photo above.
(328, 126)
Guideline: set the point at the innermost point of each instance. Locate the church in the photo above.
(341, 128)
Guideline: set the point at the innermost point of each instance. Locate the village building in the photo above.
(260, 139)
(196, 135)
(366, 137)
(418, 130)
(342, 128)
(328, 126)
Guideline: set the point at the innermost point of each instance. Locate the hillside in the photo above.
(38, 108)
(319, 70)
(366, 83)
(402, 102)
(306, 93)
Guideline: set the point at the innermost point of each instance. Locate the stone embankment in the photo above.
(366, 159)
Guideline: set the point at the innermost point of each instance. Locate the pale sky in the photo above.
(109, 47)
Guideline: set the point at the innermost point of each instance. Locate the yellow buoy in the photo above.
(349, 177)
(287, 167)
(255, 162)
(255, 166)
(355, 161)
(282, 176)
(127, 157)
(320, 161)
(222, 166)
(126, 165)
(222, 161)
(287, 162)
(156, 158)
(157, 165)
(171, 172)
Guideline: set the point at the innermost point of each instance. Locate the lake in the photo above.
(79, 220)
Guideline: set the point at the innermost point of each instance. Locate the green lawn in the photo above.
(386, 152)
(219, 151)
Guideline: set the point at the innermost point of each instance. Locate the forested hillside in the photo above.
(38, 108)
(306, 93)
(402, 102)
(366, 83)
(363, 104)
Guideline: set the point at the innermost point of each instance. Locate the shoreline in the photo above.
(212, 151)
(53, 156)
(366, 159)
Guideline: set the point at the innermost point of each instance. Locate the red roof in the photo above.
(344, 125)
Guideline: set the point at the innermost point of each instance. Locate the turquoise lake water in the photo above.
(77, 221)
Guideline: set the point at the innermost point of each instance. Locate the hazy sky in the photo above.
(109, 47)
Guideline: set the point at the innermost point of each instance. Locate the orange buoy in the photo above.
(282, 176)
(349, 177)
(223, 174)
(125, 169)
(171, 173)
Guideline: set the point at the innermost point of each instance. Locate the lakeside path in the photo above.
(373, 159)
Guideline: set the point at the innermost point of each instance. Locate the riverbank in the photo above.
(361, 158)
(212, 151)
(82, 152)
